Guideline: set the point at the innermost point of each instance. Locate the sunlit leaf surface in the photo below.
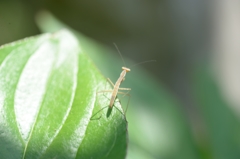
(49, 107)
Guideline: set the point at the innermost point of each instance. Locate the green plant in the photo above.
(48, 96)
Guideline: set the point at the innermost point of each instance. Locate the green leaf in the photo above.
(47, 98)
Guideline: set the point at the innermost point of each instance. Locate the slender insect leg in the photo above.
(110, 82)
(97, 113)
(103, 91)
(129, 96)
(125, 89)
(124, 94)
(120, 110)
(125, 111)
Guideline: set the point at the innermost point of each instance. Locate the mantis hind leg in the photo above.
(129, 97)
(110, 109)
(97, 118)
(110, 82)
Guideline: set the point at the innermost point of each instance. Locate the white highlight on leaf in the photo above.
(31, 87)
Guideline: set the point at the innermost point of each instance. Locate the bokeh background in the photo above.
(196, 47)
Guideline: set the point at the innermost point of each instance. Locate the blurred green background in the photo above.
(184, 105)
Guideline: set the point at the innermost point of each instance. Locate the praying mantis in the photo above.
(116, 86)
